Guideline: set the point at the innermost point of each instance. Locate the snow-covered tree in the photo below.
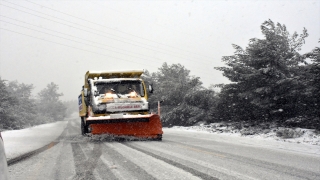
(50, 105)
(264, 75)
(25, 110)
(7, 102)
(185, 101)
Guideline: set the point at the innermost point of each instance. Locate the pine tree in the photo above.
(264, 74)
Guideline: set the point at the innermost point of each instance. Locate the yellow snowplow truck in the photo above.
(116, 103)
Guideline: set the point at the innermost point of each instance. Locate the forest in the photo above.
(271, 82)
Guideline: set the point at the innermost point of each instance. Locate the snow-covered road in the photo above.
(183, 154)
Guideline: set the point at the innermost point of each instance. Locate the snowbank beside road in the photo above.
(19, 142)
(308, 142)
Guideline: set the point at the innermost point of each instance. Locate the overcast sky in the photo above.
(59, 40)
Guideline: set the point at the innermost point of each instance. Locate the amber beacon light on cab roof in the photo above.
(116, 103)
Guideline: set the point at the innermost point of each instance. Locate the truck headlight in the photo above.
(108, 96)
(133, 94)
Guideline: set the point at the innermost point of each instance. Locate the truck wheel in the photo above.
(158, 138)
(84, 128)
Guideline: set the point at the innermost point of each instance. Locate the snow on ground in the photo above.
(19, 142)
(302, 140)
(306, 136)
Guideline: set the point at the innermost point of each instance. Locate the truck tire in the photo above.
(158, 138)
(84, 127)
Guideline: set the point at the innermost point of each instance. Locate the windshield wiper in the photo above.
(114, 91)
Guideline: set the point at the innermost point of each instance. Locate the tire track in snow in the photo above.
(122, 166)
(266, 166)
(107, 168)
(63, 166)
(97, 160)
(103, 169)
(84, 163)
(159, 167)
(209, 169)
(83, 169)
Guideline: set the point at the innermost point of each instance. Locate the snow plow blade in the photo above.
(141, 126)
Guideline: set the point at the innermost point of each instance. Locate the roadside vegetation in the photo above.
(272, 84)
(19, 109)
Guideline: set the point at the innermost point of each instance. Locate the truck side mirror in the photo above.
(96, 93)
(150, 88)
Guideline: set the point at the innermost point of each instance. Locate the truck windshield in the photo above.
(120, 87)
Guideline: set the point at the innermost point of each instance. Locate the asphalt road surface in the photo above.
(180, 155)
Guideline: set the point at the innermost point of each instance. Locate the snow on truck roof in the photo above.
(114, 80)
(113, 74)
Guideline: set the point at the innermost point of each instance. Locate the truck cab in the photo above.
(114, 97)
